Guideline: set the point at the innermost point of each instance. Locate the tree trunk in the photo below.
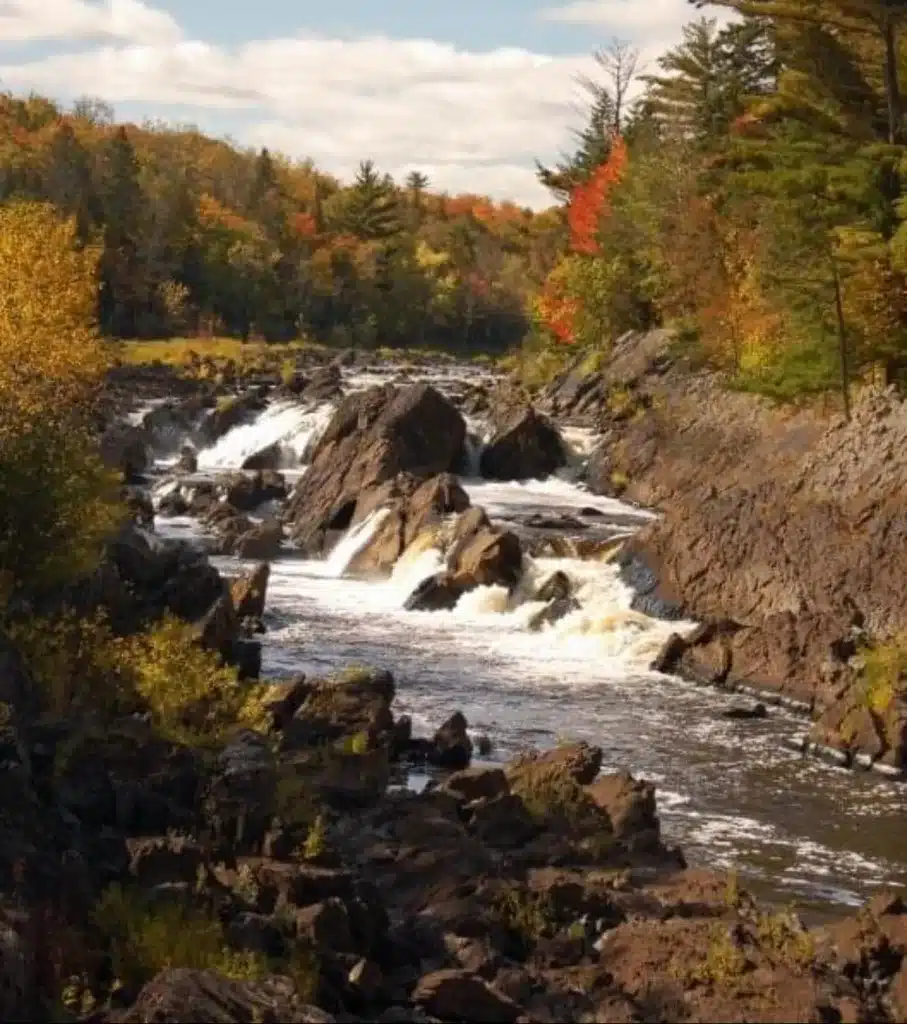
(842, 340)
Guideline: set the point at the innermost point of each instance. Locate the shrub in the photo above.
(193, 696)
(145, 938)
(76, 661)
(884, 668)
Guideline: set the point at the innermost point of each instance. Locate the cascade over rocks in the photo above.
(411, 507)
(478, 554)
(231, 411)
(374, 436)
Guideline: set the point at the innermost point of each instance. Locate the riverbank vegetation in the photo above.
(752, 196)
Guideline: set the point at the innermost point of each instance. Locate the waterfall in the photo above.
(286, 424)
(355, 539)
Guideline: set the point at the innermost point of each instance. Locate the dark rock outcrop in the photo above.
(525, 445)
(125, 449)
(374, 436)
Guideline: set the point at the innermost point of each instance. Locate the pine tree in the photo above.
(818, 194)
(68, 183)
(416, 184)
(123, 293)
(371, 210)
(705, 80)
(881, 21)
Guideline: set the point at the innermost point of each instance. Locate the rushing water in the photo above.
(729, 791)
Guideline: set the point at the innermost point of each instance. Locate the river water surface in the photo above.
(730, 793)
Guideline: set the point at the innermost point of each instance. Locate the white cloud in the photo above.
(24, 21)
(473, 120)
(639, 21)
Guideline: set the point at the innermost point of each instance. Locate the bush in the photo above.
(75, 660)
(192, 695)
(145, 938)
(884, 669)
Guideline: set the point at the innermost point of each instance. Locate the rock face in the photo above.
(374, 436)
(525, 445)
(784, 527)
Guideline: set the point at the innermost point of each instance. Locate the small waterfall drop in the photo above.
(356, 538)
(286, 424)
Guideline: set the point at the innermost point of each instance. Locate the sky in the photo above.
(470, 93)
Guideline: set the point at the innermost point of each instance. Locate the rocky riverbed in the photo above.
(509, 884)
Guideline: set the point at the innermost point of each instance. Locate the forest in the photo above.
(199, 237)
(752, 197)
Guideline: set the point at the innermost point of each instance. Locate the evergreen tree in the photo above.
(879, 21)
(123, 292)
(371, 209)
(704, 80)
(416, 184)
(68, 183)
(821, 202)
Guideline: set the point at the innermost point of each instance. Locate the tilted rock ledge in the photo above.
(782, 531)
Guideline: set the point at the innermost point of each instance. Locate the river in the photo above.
(730, 792)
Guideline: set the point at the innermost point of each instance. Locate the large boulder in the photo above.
(525, 446)
(267, 458)
(324, 385)
(374, 436)
(169, 424)
(482, 554)
(261, 540)
(143, 576)
(185, 996)
(249, 592)
(479, 554)
(246, 491)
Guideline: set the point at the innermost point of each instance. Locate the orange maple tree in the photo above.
(589, 201)
(589, 204)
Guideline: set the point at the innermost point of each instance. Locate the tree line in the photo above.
(200, 237)
(752, 195)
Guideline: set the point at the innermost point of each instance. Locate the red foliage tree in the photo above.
(589, 201)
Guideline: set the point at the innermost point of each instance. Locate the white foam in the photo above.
(355, 540)
(287, 424)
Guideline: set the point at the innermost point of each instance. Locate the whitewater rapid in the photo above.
(729, 792)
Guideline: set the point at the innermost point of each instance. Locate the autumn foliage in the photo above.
(57, 501)
(589, 202)
(559, 306)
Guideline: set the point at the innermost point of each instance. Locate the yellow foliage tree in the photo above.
(57, 502)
